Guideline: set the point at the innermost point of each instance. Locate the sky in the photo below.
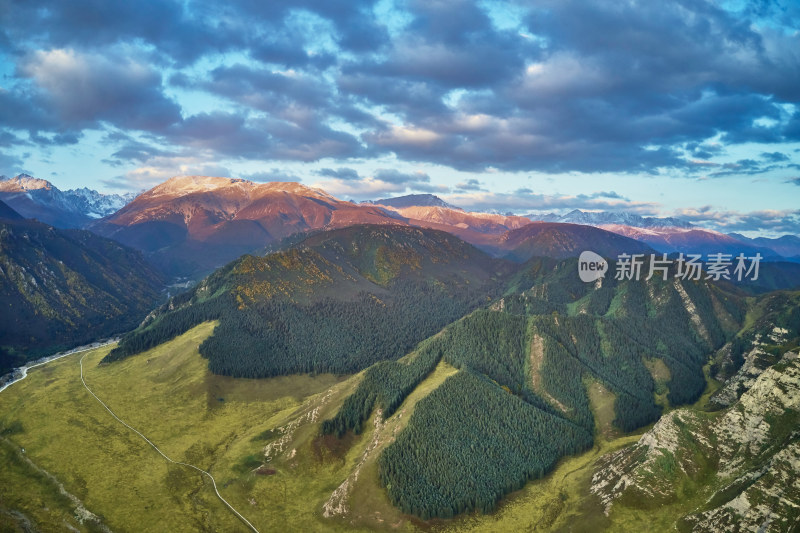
(686, 108)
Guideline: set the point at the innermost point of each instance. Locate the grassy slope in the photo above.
(222, 424)
(169, 395)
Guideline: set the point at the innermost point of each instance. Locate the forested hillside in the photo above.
(337, 302)
(62, 288)
(527, 341)
(525, 365)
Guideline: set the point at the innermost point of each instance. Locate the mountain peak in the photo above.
(184, 185)
(413, 200)
(37, 198)
(180, 185)
(24, 182)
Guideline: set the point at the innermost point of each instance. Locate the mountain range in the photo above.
(40, 199)
(194, 224)
(190, 225)
(787, 246)
(601, 218)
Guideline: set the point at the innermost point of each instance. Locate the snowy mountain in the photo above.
(37, 198)
(602, 218)
(97, 204)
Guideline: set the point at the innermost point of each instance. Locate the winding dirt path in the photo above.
(165, 456)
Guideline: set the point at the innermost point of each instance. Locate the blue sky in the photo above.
(687, 108)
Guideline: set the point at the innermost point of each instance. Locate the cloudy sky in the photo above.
(688, 107)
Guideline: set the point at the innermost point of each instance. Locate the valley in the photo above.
(120, 479)
(387, 376)
(265, 441)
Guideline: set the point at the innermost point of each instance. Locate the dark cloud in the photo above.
(751, 167)
(265, 89)
(83, 90)
(130, 149)
(354, 25)
(92, 24)
(9, 164)
(183, 32)
(609, 82)
(774, 157)
(606, 194)
(451, 44)
(469, 185)
(235, 135)
(344, 174)
(573, 85)
(23, 110)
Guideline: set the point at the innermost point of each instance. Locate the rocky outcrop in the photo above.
(647, 470)
(756, 360)
(742, 463)
(766, 499)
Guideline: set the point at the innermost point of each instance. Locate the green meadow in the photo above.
(82, 469)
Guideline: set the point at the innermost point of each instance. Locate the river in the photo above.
(20, 373)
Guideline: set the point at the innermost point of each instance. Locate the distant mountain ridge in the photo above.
(786, 245)
(194, 224)
(413, 200)
(690, 241)
(600, 218)
(190, 225)
(37, 198)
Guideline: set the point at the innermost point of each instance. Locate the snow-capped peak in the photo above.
(603, 218)
(24, 182)
(41, 199)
